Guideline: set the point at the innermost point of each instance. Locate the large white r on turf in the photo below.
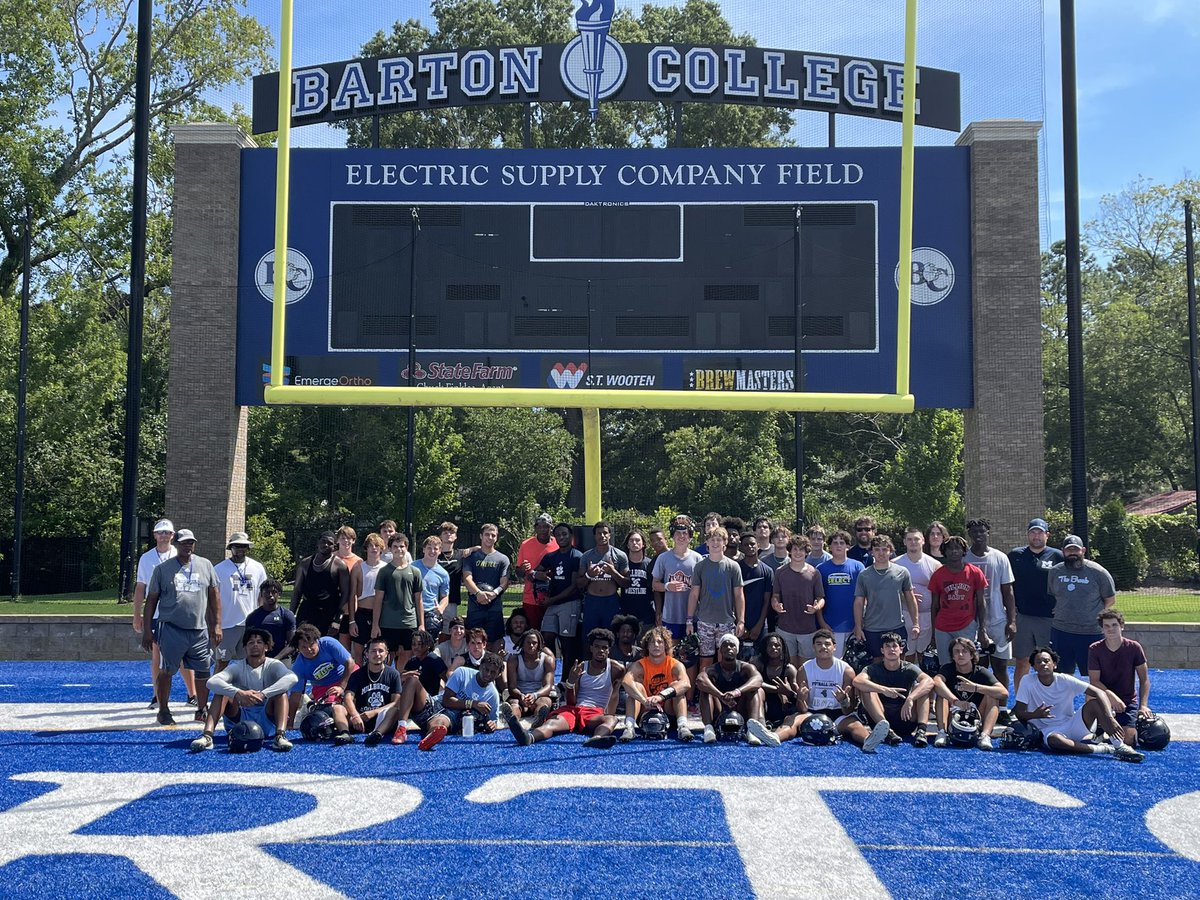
(209, 864)
(831, 862)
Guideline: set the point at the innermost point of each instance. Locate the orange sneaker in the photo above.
(432, 739)
(401, 735)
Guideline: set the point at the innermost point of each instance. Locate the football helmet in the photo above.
(855, 654)
(818, 730)
(929, 662)
(317, 725)
(964, 726)
(1153, 733)
(730, 726)
(245, 737)
(654, 725)
(1021, 736)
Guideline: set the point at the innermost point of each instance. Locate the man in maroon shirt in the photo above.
(1112, 665)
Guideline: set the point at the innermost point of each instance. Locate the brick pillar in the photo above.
(1004, 441)
(206, 430)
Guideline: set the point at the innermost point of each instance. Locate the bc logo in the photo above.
(932, 276)
(297, 282)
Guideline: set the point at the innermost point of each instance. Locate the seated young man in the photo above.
(372, 694)
(780, 688)
(1113, 664)
(422, 681)
(1048, 701)
(731, 684)
(962, 684)
(469, 692)
(327, 664)
(591, 700)
(531, 674)
(896, 692)
(656, 681)
(255, 687)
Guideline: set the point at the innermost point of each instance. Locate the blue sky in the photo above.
(1135, 72)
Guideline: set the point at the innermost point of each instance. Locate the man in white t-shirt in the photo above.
(1001, 601)
(163, 549)
(921, 567)
(1048, 702)
(239, 579)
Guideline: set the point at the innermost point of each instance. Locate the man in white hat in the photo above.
(162, 550)
(239, 578)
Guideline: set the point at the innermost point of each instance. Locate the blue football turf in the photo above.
(612, 828)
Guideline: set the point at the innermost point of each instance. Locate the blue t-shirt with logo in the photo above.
(324, 669)
(839, 581)
(435, 583)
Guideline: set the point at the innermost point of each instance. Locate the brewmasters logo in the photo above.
(297, 281)
(593, 66)
(932, 276)
(741, 380)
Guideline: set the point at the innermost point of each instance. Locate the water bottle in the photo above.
(468, 723)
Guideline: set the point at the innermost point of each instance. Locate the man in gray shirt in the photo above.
(184, 591)
(602, 570)
(883, 598)
(717, 600)
(1081, 590)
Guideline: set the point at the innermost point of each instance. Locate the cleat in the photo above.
(523, 737)
(1125, 753)
(400, 735)
(627, 733)
(892, 739)
(942, 741)
(685, 733)
(761, 734)
(984, 742)
(281, 743)
(432, 739)
(540, 717)
(920, 739)
(153, 703)
(373, 738)
(601, 742)
(342, 738)
(877, 736)
(204, 742)
(710, 736)
(164, 716)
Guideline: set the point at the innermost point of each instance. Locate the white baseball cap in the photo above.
(164, 525)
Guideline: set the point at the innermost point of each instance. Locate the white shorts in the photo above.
(1074, 730)
(1004, 648)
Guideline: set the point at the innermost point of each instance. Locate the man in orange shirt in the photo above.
(657, 682)
(529, 557)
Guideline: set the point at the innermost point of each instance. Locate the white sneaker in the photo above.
(875, 738)
(984, 742)
(627, 732)
(759, 734)
(710, 736)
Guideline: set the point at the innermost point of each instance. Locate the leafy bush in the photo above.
(1117, 546)
(270, 548)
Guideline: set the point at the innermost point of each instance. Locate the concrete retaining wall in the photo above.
(1168, 645)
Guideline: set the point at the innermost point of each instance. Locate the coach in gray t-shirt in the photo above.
(883, 597)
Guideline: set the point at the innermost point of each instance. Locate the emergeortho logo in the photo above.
(335, 381)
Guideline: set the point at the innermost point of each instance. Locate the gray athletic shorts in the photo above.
(231, 644)
(1032, 632)
(184, 647)
(562, 618)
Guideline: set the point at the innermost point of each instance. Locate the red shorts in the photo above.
(319, 691)
(578, 717)
(534, 614)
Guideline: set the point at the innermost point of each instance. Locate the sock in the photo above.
(629, 721)
(681, 720)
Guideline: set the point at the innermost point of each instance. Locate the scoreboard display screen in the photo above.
(649, 269)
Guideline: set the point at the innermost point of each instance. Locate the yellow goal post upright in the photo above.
(593, 400)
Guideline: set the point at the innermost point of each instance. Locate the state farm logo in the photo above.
(567, 376)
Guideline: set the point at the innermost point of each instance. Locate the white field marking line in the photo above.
(525, 842)
(76, 685)
(932, 848)
(7, 685)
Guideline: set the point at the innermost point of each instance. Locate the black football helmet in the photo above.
(654, 725)
(317, 725)
(687, 650)
(818, 730)
(1021, 736)
(855, 655)
(930, 664)
(1153, 733)
(964, 727)
(245, 737)
(730, 726)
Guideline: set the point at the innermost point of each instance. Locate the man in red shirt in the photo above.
(959, 594)
(529, 557)
(1113, 664)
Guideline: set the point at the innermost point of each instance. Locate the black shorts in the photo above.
(898, 723)
(364, 619)
(397, 638)
(1127, 718)
(344, 624)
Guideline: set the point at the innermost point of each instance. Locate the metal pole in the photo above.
(1079, 492)
(412, 368)
(22, 387)
(832, 135)
(1193, 356)
(137, 290)
(798, 376)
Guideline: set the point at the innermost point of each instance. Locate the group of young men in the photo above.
(764, 635)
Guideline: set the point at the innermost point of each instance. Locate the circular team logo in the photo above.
(297, 280)
(575, 63)
(932, 276)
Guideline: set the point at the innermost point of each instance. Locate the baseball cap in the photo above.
(238, 537)
(1038, 523)
(163, 525)
(729, 639)
(1073, 540)
(544, 519)
(184, 534)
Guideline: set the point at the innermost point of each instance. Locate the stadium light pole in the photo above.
(410, 462)
(22, 388)
(798, 375)
(1193, 356)
(137, 290)
(1079, 492)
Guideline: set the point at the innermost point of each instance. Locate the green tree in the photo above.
(1118, 547)
(921, 482)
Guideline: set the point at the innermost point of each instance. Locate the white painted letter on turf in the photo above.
(837, 867)
(208, 864)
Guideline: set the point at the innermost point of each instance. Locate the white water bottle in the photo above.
(468, 721)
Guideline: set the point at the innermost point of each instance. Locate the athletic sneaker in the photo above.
(204, 742)
(920, 738)
(153, 703)
(684, 732)
(281, 743)
(892, 739)
(373, 738)
(524, 738)
(191, 701)
(942, 741)
(876, 737)
(710, 736)
(343, 737)
(627, 733)
(400, 735)
(432, 739)
(540, 717)
(761, 734)
(600, 742)
(1125, 753)
(164, 716)
(984, 742)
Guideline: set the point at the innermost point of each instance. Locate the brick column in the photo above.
(206, 430)
(1004, 441)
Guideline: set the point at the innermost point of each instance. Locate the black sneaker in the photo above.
(601, 742)
(892, 739)
(153, 704)
(201, 714)
(191, 701)
(920, 739)
(524, 738)
(343, 737)
(164, 716)
(373, 738)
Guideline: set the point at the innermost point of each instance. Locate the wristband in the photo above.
(667, 693)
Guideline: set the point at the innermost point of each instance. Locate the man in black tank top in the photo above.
(322, 587)
(729, 683)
